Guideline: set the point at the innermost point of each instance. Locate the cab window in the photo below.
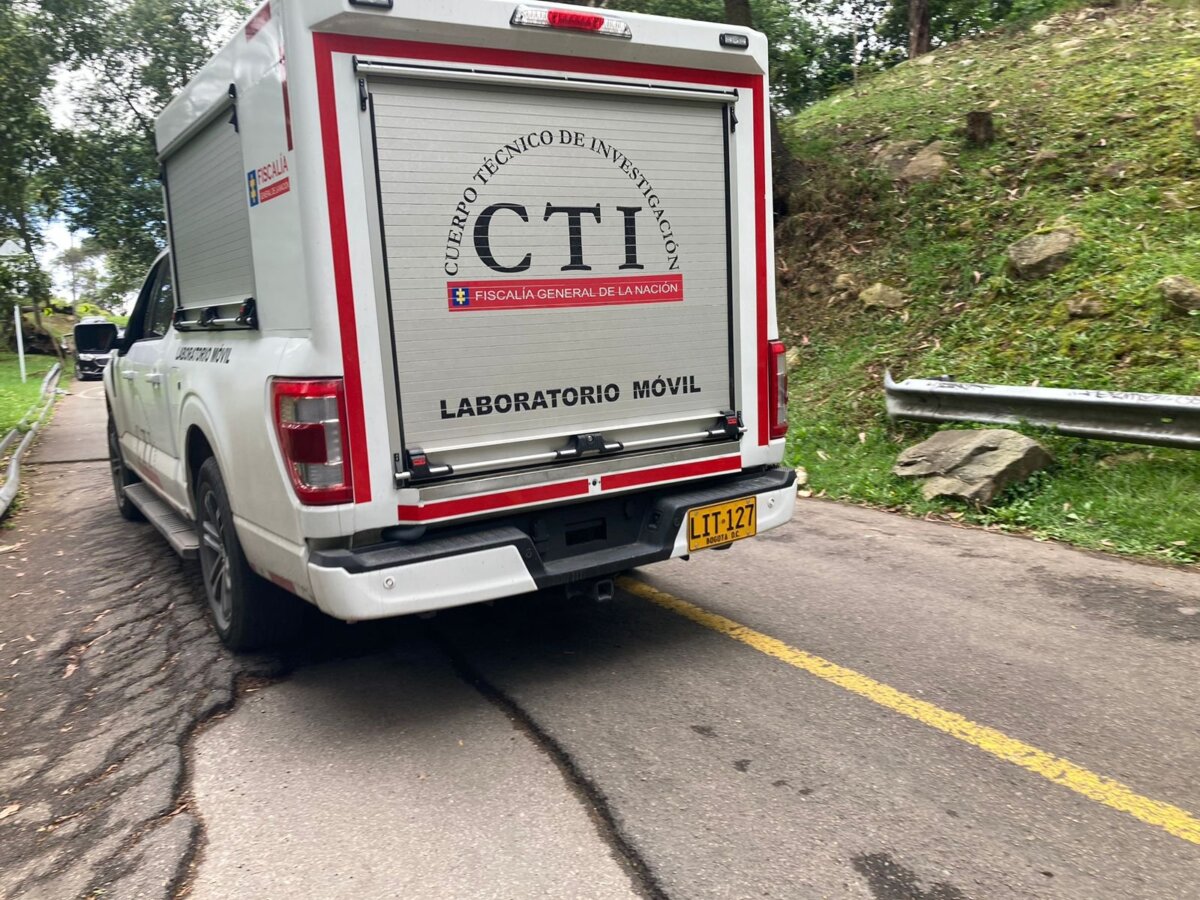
(161, 306)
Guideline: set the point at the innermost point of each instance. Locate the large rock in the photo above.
(1038, 255)
(911, 161)
(1181, 293)
(882, 296)
(894, 156)
(972, 465)
(927, 165)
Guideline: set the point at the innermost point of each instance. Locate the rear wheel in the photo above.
(247, 611)
(121, 476)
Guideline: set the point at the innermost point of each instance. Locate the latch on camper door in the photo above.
(419, 468)
(729, 426)
(581, 444)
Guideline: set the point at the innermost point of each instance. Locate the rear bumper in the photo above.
(499, 560)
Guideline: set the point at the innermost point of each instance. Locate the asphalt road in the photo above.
(721, 771)
(858, 705)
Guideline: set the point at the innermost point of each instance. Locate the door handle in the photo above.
(127, 375)
(155, 378)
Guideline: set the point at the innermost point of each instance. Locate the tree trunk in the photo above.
(737, 12)
(918, 28)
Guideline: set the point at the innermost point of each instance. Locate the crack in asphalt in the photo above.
(586, 791)
(188, 864)
(116, 669)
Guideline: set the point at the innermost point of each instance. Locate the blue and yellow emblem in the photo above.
(460, 296)
(252, 187)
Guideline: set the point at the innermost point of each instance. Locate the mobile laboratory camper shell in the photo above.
(527, 250)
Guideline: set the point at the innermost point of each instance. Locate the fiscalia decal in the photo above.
(269, 181)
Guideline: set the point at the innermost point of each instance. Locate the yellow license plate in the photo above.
(722, 523)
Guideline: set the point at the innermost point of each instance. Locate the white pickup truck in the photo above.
(462, 300)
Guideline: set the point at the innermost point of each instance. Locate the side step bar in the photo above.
(179, 532)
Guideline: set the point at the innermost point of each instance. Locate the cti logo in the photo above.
(574, 216)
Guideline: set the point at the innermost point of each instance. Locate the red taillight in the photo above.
(310, 417)
(594, 23)
(777, 389)
(304, 442)
(581, 21)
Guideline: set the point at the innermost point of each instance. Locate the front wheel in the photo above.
(121, 476)
(247, 611)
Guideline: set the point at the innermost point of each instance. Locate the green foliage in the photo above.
(16, 397)
(80, 262)
(949, 20)
(137, 54)
(1108, 99)
(1032, 10)
(817, 46)
(113, 192)
(807, 58)
(29, 145)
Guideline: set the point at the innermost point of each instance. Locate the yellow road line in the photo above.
(1171, 819)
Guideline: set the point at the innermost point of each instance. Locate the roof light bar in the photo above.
(592, 23)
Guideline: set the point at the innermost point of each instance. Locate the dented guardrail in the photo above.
(38, 413)
(1165, 420)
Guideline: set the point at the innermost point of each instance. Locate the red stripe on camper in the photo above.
(343, 285)
(464, 506)
(677, 472)
(287, 103)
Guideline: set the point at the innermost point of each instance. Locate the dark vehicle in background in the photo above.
(95, 338)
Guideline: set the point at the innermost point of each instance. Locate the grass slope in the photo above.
(1119, 90)
(16, 398)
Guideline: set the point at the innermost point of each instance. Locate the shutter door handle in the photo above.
(127, 375)
(154, 378)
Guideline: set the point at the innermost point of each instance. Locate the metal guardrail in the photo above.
(1165, 420)
(37, 412)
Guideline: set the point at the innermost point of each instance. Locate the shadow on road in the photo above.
(541, 636)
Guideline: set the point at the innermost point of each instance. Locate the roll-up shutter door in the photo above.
(209, 215)
(546, 295)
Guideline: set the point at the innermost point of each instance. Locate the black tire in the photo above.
(247, 612)
(121, 476)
